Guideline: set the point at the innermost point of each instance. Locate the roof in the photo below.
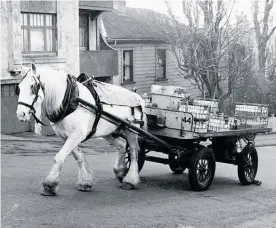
(136, 24)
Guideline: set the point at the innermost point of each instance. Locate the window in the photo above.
(39, 32)
(161, 64)
(127, 66)
(83, 31)
(8, 90)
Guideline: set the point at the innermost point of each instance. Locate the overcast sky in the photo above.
(176, 5)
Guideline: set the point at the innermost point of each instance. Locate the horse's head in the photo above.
(30, 93)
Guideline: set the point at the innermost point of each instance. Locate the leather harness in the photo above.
(88, 82)
(70, 103)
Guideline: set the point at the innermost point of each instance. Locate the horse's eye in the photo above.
(35, 88)
(17, 90)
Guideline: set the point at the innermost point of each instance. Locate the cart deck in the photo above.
(174, 134)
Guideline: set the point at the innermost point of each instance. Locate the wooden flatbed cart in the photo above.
(177, 139)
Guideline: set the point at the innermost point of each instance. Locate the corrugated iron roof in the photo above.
(136, 24)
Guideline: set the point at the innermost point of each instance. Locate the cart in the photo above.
(175, 133)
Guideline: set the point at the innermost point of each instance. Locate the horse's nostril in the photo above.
(23, 114)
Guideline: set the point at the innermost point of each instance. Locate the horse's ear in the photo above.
(23, 70)
(33, 68)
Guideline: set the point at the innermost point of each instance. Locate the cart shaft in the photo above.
(126, 123)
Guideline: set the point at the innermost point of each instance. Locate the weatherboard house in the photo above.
(144, 56)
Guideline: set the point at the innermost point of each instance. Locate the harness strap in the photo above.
(88, 82)
(27, 105)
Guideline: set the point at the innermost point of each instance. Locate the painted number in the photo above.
(185, 120)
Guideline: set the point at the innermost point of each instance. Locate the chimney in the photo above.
(119, 6)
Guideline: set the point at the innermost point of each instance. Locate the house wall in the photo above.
(66, 58)
(144, 68)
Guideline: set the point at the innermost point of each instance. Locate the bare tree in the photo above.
(206, 55)
(263, 35)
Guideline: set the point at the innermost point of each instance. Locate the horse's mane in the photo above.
(54, 83)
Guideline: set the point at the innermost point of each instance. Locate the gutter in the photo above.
(131, 39)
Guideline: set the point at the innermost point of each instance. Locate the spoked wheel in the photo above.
(141, 157)
(176, 166)
(202, 169)
(247, 165)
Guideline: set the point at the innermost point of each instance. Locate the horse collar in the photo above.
(69, 103)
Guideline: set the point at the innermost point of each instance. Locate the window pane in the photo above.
(22, 19)
(25, 17)
(127, 58)
(37, 40)
(81, 35)
(7, 90)
(12, 90)
(25, 39)
(49, 39)
(35, 20)
(31, 19)
(127, 73)
(47, 20)
(161, 63)
(83, 19)
(41, 20)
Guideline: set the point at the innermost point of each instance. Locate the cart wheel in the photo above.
(202, 169)
(247, 165)
(141, 157)
(176, 166)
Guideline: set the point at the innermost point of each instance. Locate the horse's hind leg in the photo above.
(50, 183)
(120, 168)
(132, 179)
(85, 177)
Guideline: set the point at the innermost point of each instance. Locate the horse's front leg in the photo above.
(85, 180)
(50, 183)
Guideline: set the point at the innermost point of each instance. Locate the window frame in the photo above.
(163, 64)
(30, 28)
(85, 26)
(130, 65)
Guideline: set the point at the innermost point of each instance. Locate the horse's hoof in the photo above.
(49, 188)
(128, 186)
(120, 179)
(47, 193)
(120, 174)
(85, 187)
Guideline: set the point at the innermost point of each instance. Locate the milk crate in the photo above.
(211, 103)
(251, 115)
(198, 111)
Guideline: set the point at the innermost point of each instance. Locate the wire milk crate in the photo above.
(212, 104)
(251, 115)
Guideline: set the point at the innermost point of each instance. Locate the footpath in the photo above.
(261, 140)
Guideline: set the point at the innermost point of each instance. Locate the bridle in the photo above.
(35, 90)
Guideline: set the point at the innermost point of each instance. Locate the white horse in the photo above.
(50, 86)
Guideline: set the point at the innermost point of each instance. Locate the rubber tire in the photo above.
(197, 155)
(141, 157)
(175, 167)
(241, 169)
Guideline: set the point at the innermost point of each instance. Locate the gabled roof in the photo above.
(136, 24)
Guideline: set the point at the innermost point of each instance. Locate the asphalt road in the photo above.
(162, 200)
